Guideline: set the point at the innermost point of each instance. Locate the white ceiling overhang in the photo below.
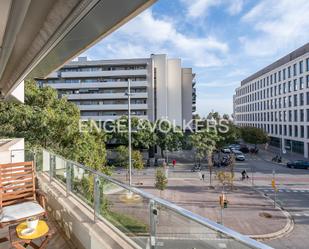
(39, 36)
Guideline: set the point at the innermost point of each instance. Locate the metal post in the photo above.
(69, 178)
(51, 167)
(129, 132)
(34, 160)
(11, 156)
(275, 194)
(252, 179)
(222, 205)
(153, 224)
(221, 214)
(96, 197)
(282, 139)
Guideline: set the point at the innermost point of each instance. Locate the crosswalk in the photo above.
(301, 215)
(253, 159)
(283, 190)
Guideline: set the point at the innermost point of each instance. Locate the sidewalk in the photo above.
(271, 152)
(248, 212)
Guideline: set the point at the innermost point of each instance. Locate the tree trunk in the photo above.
(162, 153)
(210, 176)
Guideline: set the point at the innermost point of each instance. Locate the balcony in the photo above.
(109, 117)
(112, 107)
(105, 96)
(138, 72)
(96, 211)
(108, 84)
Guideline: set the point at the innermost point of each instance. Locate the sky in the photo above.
(224, 41)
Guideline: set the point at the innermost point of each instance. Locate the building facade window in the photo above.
(301, 99)
(300, 67)
(295, 131)
(301, 83)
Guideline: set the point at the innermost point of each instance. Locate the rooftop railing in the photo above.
(149, 221)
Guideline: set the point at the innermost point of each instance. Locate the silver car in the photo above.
(239, 155)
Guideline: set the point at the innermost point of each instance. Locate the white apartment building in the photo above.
(160, 88)
(276, 99)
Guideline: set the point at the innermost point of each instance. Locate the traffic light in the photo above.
(225, 204)
(223, 201)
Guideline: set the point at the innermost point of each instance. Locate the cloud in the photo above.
(206, 105)
(147, 34)
(200, 8)
(238, 72)
(279, 27)
(235, 7)
(197, 8)
(219, 84)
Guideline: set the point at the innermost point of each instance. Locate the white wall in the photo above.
(174, 91)
(169, 89)
(187, 94)
(18, 93)
(160, 63)
(12, 150)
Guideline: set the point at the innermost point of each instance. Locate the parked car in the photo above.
(234, 146)
(226, 151)
(239, 156)
(298, 164)
(244, 149)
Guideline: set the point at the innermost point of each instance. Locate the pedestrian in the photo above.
(203, 177)
(164, 164)
(174, 163)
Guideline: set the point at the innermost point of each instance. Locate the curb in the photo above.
(281, 233)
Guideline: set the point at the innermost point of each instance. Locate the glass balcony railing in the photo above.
(149, 221)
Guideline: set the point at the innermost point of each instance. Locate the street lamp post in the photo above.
(129, 132)
(282, 139)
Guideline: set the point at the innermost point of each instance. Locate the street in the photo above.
(292, 195)
(251, 198)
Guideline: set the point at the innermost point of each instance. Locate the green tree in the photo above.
(205, 142)
(168, 136)
(253, 135)
(137, 160)
(228, 135)
(161, 181)
(142, 135)
(45, 121)
(123, 157)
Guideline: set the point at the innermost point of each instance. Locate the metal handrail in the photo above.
(246, 240)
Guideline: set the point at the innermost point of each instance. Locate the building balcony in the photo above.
(93, 210)
(112, 73)
(89, 85)
(110, 117)
(112, 107)
(105, 96)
